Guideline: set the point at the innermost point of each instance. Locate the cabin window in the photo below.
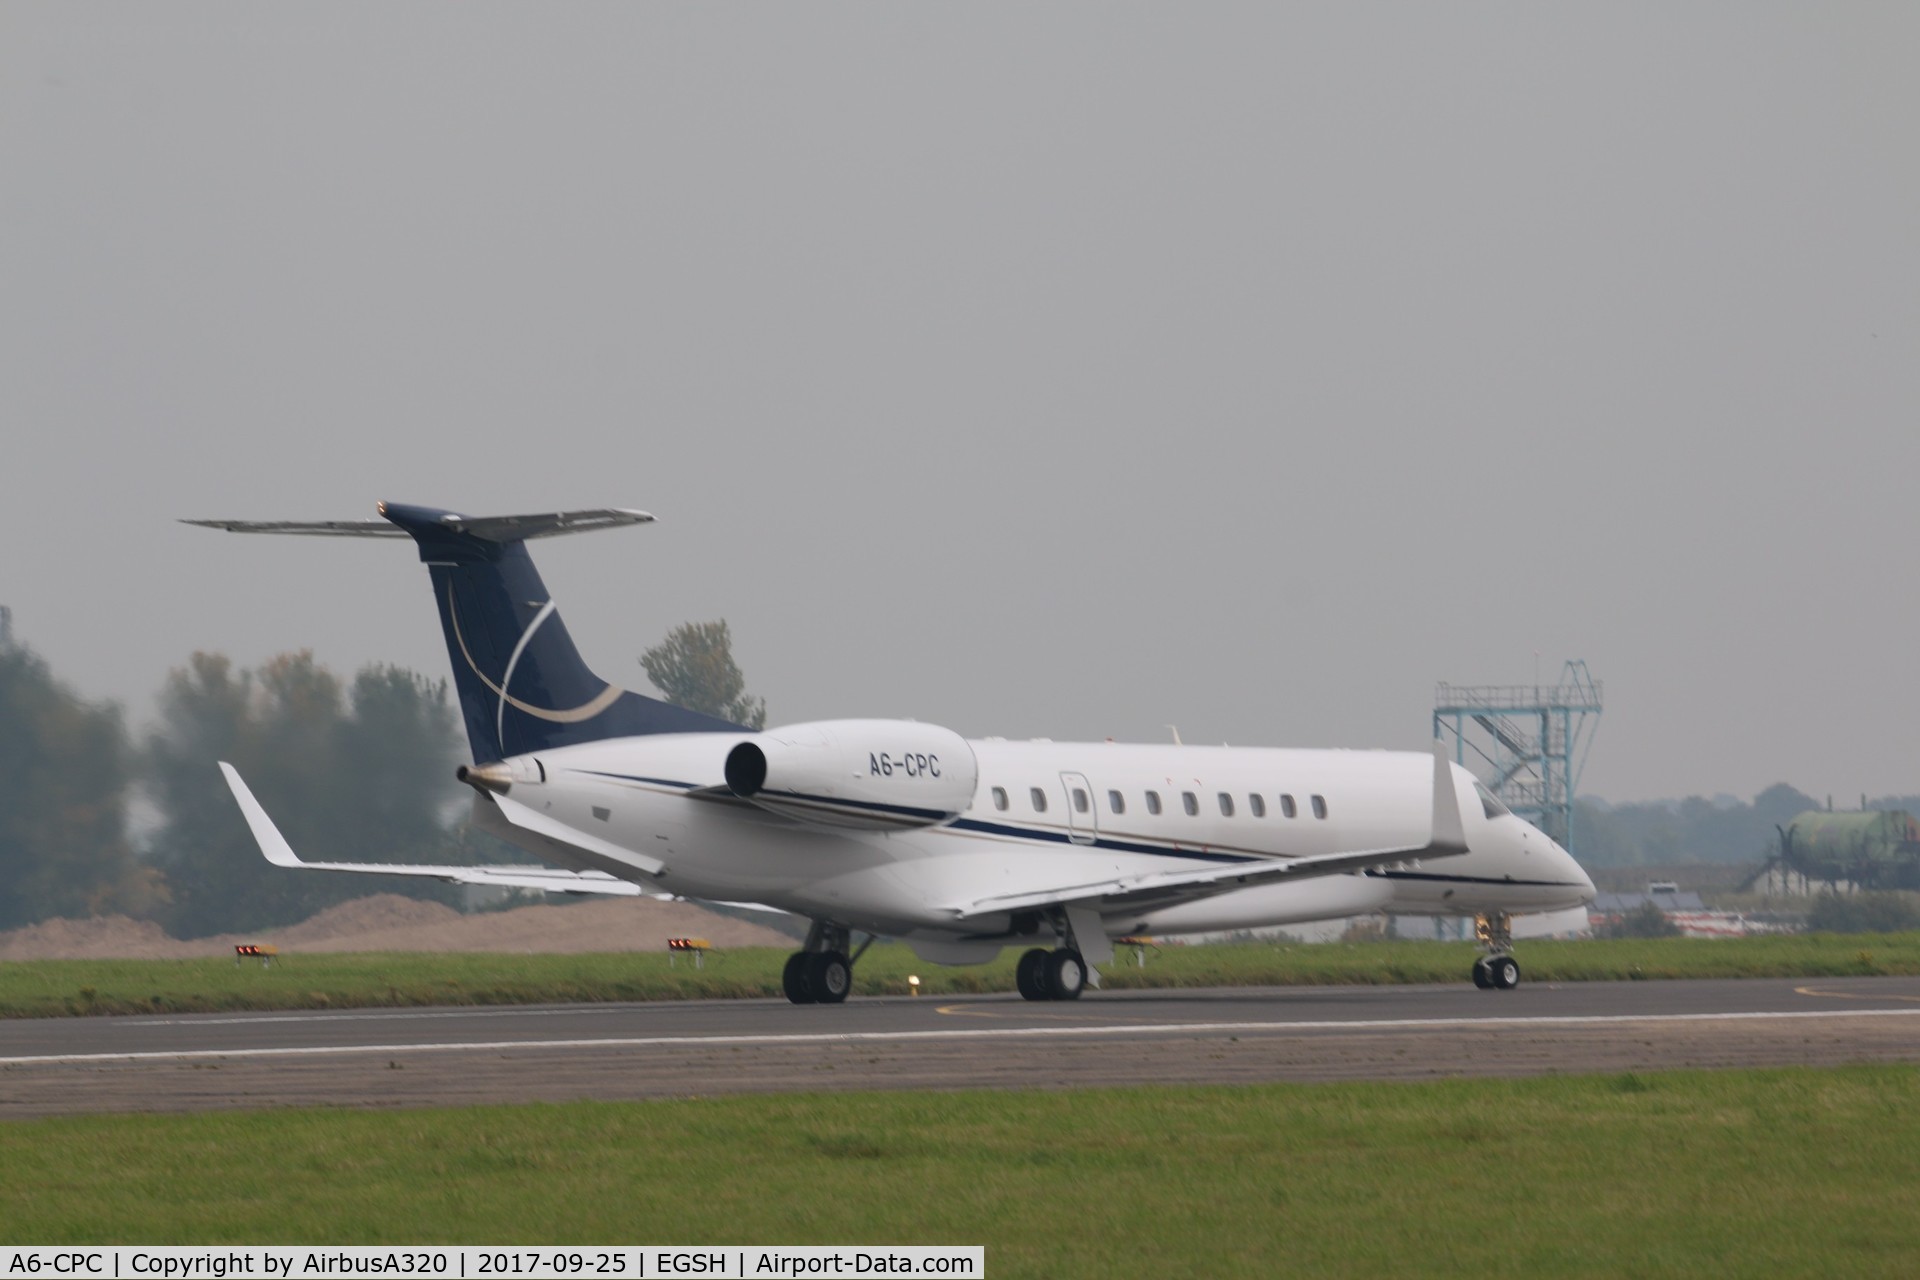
(1319, 806)
(1039, 799)
(1080, 802)
(1153, 803)
(1116, 802)
(1191, 803)
(1490, 803)
(1000, 799)
(1226, 805)
(1256, 804)
(1287, 809)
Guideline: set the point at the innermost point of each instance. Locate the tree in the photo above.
(1863, 913)
(1678, 832)
(64, 771)
(360, 778)
(694, 668)
(398, 752)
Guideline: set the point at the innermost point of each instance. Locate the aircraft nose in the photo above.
(1564, 868)
(1578, 874)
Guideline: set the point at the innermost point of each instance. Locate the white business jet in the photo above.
(893, 828)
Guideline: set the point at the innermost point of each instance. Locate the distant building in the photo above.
(1688, 913)
(1663, 894)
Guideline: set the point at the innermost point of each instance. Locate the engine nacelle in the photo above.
(872, 775)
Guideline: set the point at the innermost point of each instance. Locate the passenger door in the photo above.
(1083, 818)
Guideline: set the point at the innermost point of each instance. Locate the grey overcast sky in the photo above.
(1057, 370)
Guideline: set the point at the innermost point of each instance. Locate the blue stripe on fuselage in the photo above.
(1050, 835)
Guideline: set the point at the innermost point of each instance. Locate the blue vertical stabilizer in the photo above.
(523, 686)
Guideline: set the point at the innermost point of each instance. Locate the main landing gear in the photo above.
(1059, 974)
(821, 972)
(1497, 970)
(1063, 973)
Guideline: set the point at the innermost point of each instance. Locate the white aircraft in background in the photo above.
(900, 829)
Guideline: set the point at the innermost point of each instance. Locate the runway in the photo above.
(433, 1057)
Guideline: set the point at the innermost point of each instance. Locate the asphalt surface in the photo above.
(428, 1057)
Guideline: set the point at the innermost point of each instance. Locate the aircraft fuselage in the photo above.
(1045, 814)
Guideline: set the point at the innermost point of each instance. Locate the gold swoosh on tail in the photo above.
(585, 711)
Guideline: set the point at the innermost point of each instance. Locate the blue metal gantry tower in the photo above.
(1528, 743)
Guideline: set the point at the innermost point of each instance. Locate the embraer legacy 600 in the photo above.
(906, 830)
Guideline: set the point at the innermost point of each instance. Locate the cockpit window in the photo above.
(1490, 803)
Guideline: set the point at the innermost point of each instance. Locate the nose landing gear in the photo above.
(1496, 973)
(1497, 970)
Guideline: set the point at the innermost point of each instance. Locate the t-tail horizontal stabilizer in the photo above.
(552, 879)
(501, 529)
(522, 684)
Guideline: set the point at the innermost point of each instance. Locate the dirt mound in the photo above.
(97, 938)
(611, 924)
(389, 922)
(382, 913)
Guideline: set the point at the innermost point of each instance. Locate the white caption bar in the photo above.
(487, 1262)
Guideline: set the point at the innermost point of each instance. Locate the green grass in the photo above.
(1583, 960)
(46, 988)
(1742, 1173)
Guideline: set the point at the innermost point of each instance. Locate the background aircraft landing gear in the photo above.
(821, 972)
(1497, 970)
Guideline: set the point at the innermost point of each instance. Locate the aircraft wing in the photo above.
(1163, 888)
(552, 879)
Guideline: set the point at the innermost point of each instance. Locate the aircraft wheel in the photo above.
(1482, 978)
(1030, 975)
(1504, 972)
(793, 979)
(1066, 974)
(829, 976)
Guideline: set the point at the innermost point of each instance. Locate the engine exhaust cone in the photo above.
(495, 777)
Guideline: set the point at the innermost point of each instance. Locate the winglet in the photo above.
(1449, 833)
(265, 834)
